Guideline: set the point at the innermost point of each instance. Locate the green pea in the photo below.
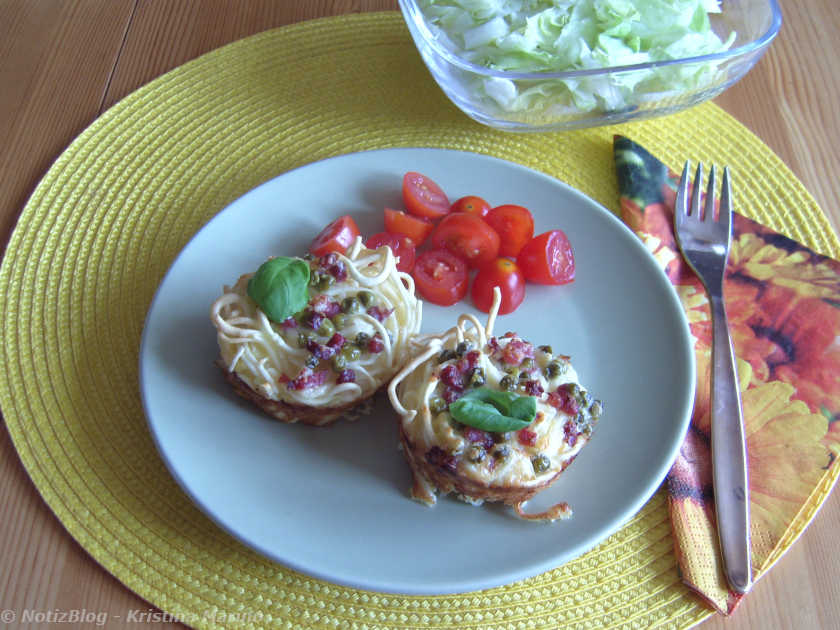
(553, 370)
(507, 383)
(350, 352)
(366, 298)
(527, 364)
(362, 340)
(311, 361)
(596, 408)
(437, 404)
(325, 282)
(338, 362)
(351, 305)
(326, 329)
(545, 349)
(541, 463)
(476, 378)
(340, 321)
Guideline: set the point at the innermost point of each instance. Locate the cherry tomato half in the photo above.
(424, 198)
(502, 273)
(515, 226)
(338, 236)
(440, 277)
(467, 236)
(548, 259)
(415, 228)
(471, 205)
(402, 247)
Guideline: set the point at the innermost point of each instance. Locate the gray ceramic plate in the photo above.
(333, 502)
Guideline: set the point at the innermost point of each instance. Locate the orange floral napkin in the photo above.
(783, 303)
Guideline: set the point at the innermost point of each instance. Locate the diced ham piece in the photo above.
(308, 379)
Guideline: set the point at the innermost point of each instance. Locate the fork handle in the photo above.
(729, 456)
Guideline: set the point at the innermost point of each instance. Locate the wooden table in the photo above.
(62, 63)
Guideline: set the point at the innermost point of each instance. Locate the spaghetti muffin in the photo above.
(490, 418)
(307, 340)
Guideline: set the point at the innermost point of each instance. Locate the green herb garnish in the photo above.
(494, 411)
(280, 287)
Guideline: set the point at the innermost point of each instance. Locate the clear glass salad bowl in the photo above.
(554, 101)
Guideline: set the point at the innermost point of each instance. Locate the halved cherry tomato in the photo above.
(424, 198)
(502, 273)
(402, 246)
(548, 259)
(440, 277)
(415, 228)
(467, 236)
(515, 226)
(338, 236)
(471, 205)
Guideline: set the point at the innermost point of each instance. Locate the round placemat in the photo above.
(107, 220)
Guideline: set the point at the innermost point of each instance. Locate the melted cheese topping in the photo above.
(266, 355)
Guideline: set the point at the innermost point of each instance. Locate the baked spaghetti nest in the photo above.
(490, 418)
(346, 342)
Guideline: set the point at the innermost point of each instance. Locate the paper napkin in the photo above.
(783, 304)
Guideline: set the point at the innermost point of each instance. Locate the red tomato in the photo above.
(515, 226)
(467, 236)
(338, 236)
(502, 273)
(415, 228)
(471, 205)
(424, 198)
(548, 259)
(440, 277)
(402, 246)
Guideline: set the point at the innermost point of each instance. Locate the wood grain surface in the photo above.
(63, 62)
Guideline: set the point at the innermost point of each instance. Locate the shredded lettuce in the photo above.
(562, 35)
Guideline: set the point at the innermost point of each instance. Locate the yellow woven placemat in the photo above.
(111, 214)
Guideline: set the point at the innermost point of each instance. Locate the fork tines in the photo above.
(693, 209)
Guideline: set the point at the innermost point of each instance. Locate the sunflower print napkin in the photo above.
(783, 303)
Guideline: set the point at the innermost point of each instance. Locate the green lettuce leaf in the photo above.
(564, 35)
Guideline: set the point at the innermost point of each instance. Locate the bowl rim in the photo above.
(414, 16)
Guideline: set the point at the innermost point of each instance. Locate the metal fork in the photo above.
(704, 241)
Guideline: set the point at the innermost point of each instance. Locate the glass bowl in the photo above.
(555, 101)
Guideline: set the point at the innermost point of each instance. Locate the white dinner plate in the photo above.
(333, 502)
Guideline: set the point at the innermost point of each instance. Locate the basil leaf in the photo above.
(280, 287)
(494, 411)
(523, 407)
